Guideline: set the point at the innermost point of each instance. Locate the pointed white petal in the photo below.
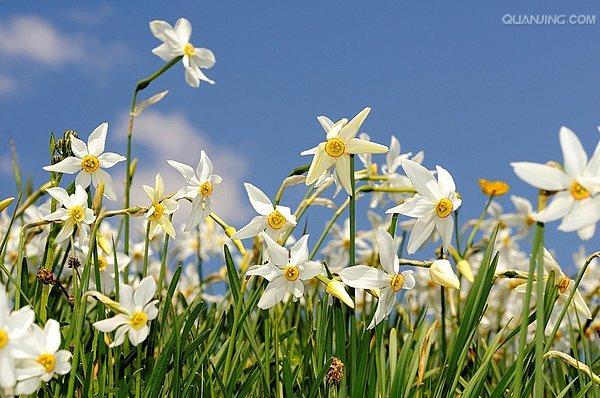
(364, 277)
(574, 155)
(422, 180)
(541, 176)
(69, 165)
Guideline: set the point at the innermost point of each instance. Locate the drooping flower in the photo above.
(14, 327)
(336, 151)
(275, 220)
(136, 308)
(432, 206)
(575, 183)
(89, 161)
(564, 284)
(176, 42)
(73, 213)
(160, 209)
(285, 271)
(201, 184)
(41, 358)
(389, 281)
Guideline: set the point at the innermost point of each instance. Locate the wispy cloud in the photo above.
(161, 136)
(30, 41)
(34, 39)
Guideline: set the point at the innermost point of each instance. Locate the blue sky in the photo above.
(471, 92)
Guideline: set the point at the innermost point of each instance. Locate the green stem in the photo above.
(476, 226)
(539, 325)
(330, 223)
(352, 215)
(141, 85)
(525, 313)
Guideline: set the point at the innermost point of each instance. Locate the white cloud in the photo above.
(161, 136)
(33, 38)
(7, 84)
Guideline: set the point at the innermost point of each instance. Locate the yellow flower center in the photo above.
(563, 284)
(3, 339)
(529, 220)
(578, 192)
(159, 209)
(397, 282)
(206, 189)
(444, 208)
(335, 147)
(189, 50)
(493, 188)
(102, 263)
(291, 273)
(138, 320)
(77, 213)
(90, 163)
(48, 361)
(373, 168)
(276, 220)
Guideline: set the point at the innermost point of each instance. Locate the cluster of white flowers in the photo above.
(29, 354)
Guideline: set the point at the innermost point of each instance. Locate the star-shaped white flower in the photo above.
(14, 327)
(285, 271)
(273, 219)
(136, 308)
(336, 151)
(73, 213)
(41, 358)
(565, 286)
(200, 187)
(389, 281)
(176, 42)
(432, 205)
(160, 209)
(89, 161)
(575, 184)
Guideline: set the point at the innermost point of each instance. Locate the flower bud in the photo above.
(97, 202)
(464, 267)
(5, 203)
(441, 273)
(337, 289)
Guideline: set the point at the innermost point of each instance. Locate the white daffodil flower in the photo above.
(137, 307)
(74, 213)
(41, 358)
(14, 327)
(89, 161)
(389, 281)
(575, 184)
(564, 284)
(523, 219)
(285, 271)
(201, 184)
(160, 209)
(393, 159)
(432, 206)
(336, 151)
(273, 219)
(176, 42)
